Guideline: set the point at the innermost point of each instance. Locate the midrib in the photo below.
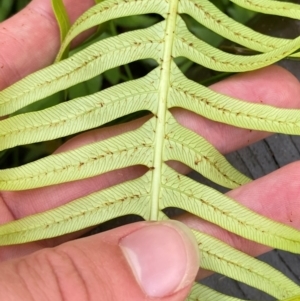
(162, 107)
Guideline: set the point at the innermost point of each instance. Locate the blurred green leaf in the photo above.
(89, 87)
(221, 4)
(134, 22)
(62, 19)
(42, 104)
(35, 151)
(20, 4)
(5, 9)
(2, 153)
(113, 76)
(202, 32)
(240, 14)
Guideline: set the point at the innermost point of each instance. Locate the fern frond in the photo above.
(158, 140)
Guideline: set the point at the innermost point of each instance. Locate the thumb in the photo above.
(139, 261)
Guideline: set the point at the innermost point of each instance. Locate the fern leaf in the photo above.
(108, 10)
(189, 148)
(81, 114)
(189, 95)
(132, 148)
(211, 17)
(295, 298)
(127, 198)
(219, 209)
(283, 9)
(82, 66)
(219, 257)
(187, 45)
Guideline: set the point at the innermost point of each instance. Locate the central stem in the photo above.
(164, 86)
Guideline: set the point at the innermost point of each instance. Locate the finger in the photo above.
(30, 39)
(127, 263)
(275, 196)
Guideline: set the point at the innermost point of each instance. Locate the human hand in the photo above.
(96, 266)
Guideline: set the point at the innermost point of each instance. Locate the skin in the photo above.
(275, 196)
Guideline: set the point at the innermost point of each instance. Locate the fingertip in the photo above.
(163, 256)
